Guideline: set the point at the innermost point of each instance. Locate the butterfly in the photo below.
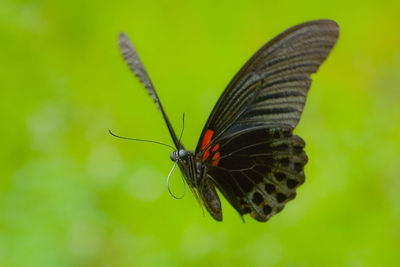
(247, 149)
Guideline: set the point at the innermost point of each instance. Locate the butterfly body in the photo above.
(196, 175)
(247, 148)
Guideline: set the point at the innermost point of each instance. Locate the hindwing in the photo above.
(258, 171)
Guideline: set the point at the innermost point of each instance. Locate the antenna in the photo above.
(183, 126)
(141, 140)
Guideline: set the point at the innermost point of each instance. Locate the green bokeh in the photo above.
(71, 195)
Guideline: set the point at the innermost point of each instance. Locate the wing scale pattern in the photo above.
(261, 176)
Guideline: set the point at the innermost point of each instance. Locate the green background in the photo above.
(71, 195)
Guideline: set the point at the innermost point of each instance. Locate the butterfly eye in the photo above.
(174, 156)
(182, 153)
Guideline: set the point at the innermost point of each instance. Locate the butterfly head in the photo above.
(180, 154)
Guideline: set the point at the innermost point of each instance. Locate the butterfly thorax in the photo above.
(200, 184)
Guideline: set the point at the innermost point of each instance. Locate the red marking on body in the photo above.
(216, 156)
(206, 141)
(215, 148)
(215, 162)
(215, 159)
(206, 154)
(207, 138)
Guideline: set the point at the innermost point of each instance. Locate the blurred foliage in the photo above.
(71, 195)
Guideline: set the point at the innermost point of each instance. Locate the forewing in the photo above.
(271, 88)
(132, 58)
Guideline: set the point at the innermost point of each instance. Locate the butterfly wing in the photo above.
(258, 171)
(132, 58)
(247, 145)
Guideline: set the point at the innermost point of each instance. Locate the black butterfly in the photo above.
(247, 149)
